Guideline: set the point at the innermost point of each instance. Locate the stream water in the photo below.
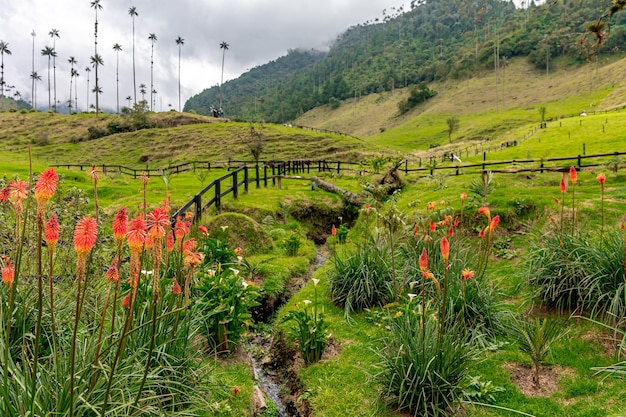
(268, 386)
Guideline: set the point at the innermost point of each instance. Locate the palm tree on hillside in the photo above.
(180, 42)
(4, 50)
(96, 61)
(143, 91)
(49, 52)
(72, 61)
(54, 33)
(129, 99)
(32, 88)
(133, 12)
(87, 70)
(117, 48)
(224, 47)
(35, 77)
(75, 74)
(153, 39)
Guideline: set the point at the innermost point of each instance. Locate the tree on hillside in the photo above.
(96, 60)
(542, 113)
(4, 50)
(87, 70)
(133, 12)
(54, 33)
(32, 88)
(35, 77)
(224, 47)
(75, 74)
(453, 125)
(49, 52)
(142, 91)
(180, 42)
(597, 27)
(129, 99)
(71, 61)
(153, 38)
(117, 48)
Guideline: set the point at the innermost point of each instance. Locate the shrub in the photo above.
(292, 244)
(224, 302)
(361, 279)
(95, 132)
(422, 372)
(311, 329)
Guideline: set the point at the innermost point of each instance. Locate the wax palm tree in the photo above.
(54, 33)
(4, 50)
(224, 47)
(17, 95)
(96, 61)
(32, 88)
(129, 98)
(75, 75)
(117, 48)
(49, 52)
(180, 42)
(154, 94)
(153, 39)
(72, 61)
(35, 77)
(133, 12)
(143, 91)
(87, 70)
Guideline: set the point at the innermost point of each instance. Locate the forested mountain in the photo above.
(434, 39)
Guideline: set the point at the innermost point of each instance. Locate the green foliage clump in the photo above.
(224, 304)
(424, 370)
(292, 244)
(239, 230)
(361, 279)
(418, 95)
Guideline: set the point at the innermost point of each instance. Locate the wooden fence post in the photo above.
(273, 175)
(265, 176)
(198, 202)
(218, 195)
(258, 180)
(245, 178)
(579, 161)
(235, 185)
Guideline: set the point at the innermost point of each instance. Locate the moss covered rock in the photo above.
(239, 230)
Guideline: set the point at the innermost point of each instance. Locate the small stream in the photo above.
(268, 386)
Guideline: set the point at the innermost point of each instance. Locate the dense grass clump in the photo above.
(423, 369)
(581, 272)
(361, 279)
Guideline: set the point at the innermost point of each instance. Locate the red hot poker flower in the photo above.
(494, 223)
(463, 196)
(467, 274)
(52, 231)
(444, 245)
(333, 231)
(137, 233)
(158, 222)
(120, 224)
(432, 226)
(563, 185)
(601, 178)
(18, 190)
(4, 194)
(416, 230)
(573, 175)
(169, 243)
(46, 185)
(112, 273)
(485, 210)
(180, 229)
(8, 274)
(176, 287)
(423, 260)
(203, 230)
(126, 301)
(85, 235)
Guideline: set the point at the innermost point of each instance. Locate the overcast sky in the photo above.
(257, 31)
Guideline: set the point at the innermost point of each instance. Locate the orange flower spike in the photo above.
(193, 258)
(450, 231)
(136, 235)
(158, 222)
(176, 287)
(467, 274)
(432, 226)
(165, 206)
(18, 190)
(573, 175)
(169, 243)
(85, 235)
(8, 274)
(126, 301)
(203, 230)
(179, 229)
(494, 223)
(416, 230)
(444, 245)
(94, 174)
(52, 231)
(189, 245)
(485, 210)
(481, 234)
(557, 201)
(238, 251)
(463, 196)
(4, 194)
(456, 222)
(120, 224)
(112, 273)
(601, 178)
(424, 260)
(441, 223)
(46, 185)
(431, 206)
(333, 231)
(563, 185)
